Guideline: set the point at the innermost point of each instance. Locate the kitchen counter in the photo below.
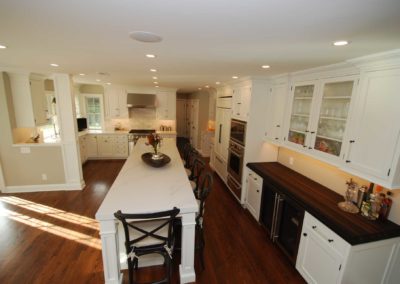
(140, 188)
(321, 202)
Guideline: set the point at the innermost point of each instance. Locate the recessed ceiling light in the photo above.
(108, 83)
(98, 80)
(155, 83)
(82, 74)
(54, 65)
(207, 86)
(156, 86)
(235, 77)
(155, 78)
(3, 46)
(199, 88)
(151, 56)
(340, 43)
(145, 36)
(217, 83)
(265, 66)
(153, 70)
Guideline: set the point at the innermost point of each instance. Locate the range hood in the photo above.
(141, 100)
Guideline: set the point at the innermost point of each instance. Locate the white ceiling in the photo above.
(203, 41)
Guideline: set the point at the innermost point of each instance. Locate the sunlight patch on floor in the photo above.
(52, 212)
(53, 229)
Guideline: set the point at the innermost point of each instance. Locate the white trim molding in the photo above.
(43, 187)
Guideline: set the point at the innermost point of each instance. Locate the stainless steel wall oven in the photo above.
(235, 156)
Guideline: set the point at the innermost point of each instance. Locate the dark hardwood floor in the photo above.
(52, 237)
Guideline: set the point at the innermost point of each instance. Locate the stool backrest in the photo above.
(204, 191)
(167, 217)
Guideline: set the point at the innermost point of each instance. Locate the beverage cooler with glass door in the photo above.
(283, 219)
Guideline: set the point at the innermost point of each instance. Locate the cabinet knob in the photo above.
(305, 234)
(258, 190)
(312, 132)
(306, 131)
(348, 161)
(304, 146)
(330, 240)
(310, 148)
(276, 138)
(278, 125)
(352, 141)
(314, 227)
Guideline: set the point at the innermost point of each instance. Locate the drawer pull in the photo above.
(314, 227)
(330, 240)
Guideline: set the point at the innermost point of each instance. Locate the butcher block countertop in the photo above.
(321, 202)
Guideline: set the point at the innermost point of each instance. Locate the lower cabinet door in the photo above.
(316, 261)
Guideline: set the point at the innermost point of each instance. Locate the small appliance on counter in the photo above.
(81, 123)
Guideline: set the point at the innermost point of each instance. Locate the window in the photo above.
(94, 113)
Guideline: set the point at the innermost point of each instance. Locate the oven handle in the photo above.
(240, 155)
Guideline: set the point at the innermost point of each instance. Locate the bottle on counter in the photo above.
(385, 206)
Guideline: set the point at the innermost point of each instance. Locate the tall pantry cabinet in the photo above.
(222, 133)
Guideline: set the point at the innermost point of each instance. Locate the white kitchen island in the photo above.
(140, 188)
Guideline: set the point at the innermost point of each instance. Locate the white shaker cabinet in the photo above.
(275, 110)
(91, 146)
(105, 145)
(222, 134)
(241, 102)
(166, 106)
(324, 257)
(82, 148)
(374, 149)
(254, 191)
(116, 99)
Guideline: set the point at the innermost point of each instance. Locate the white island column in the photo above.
(110, 251)
(186, 269)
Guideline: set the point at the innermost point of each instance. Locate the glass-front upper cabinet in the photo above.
(333, 114)
(319, 117)
(301, 113)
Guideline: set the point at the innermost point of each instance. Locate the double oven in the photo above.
(235, 156)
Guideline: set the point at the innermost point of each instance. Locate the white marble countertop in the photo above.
(140, 188)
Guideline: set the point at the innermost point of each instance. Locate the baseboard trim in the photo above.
(43, 187)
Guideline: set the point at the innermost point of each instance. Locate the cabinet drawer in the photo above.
(326, 234)
(256, 178)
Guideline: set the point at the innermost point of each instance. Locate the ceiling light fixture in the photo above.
(144, 36)
(235, 77)
(3, 46)
(82, 74)
(54, 65)
(199, 88)
(153, 70)
(207, 86)
(155, 83)
(151, 56)
(155, 78)
(217, 83)
(156, 86)
(340, 43)
(265, 66)
(108, 83)
(98, 80)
